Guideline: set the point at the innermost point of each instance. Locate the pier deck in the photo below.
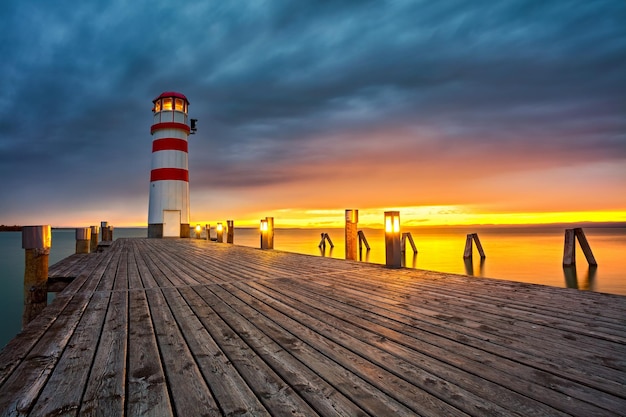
(190, 328)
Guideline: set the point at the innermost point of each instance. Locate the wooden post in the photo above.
(468, 247)
(230, 231)
(467, 254)
(569, 248)
(322, 244)
(584, 245)
(36, 240)
(198, 231)
(83, 239)
(104, 226)
(408, 236)
(352, 221)
(393, 255)
(94, 239)
(207, 228)
(220, 233)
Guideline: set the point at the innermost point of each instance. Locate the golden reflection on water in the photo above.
(526, 254)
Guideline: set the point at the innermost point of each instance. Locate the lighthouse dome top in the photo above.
(171, 94)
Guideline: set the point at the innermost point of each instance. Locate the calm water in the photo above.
(527, 254)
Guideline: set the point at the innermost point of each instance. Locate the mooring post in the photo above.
(352, 223)
(263, 229)
(104, 226)
(198, 231)
(230, 231)
(36, 240)
(393, 255)
(83, 239)
(220, 233)
(94, 239)
(479, 246)
(322, 244)
(207, 228)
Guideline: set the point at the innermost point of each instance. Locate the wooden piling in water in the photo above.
(407, 236)
(36, 241)
(352, 222)
(468, 246)
(230, 231)
(83, 239)
(569, 247)
(325, 237)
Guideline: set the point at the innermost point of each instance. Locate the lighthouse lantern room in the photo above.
(168, 212)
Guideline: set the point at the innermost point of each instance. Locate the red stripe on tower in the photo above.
(169, 125)
(169, 174)
(169, 144)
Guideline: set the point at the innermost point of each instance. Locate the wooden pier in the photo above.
(154, 327)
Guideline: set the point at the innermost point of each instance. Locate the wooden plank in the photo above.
(340, 367)
(106, 387)
(542, 385)
(458, 387)
(231, 392)
(275, 395)
(147, 393)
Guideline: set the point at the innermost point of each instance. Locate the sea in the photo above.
(532, 254)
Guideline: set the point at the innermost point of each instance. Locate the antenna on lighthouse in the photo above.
(193, 127)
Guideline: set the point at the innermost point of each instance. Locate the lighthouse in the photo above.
(168, 211)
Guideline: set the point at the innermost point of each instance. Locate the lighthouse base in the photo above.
(156, 231)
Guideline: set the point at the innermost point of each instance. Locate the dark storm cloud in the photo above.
(267, 79)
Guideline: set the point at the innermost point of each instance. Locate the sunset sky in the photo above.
(452, 112)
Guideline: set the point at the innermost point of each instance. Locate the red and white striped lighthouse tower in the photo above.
(168, 212)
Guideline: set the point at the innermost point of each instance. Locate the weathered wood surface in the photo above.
(189, 327)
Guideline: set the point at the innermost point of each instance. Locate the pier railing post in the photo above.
(94, 239)
(36, 240)
(352, 222)
(198, 231)
(83, 239)
(207, 228)
(220, 233)
(230, 231)
(393, 255)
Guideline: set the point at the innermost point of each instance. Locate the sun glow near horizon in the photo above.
(415, 216)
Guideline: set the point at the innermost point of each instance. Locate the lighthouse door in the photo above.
(171, 223)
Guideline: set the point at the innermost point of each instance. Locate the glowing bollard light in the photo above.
(230, 231)
(267, 233)
(83, 239)
(352, 220)
(393, 253)
(220, 233)
(263, 229)
(198, 231)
